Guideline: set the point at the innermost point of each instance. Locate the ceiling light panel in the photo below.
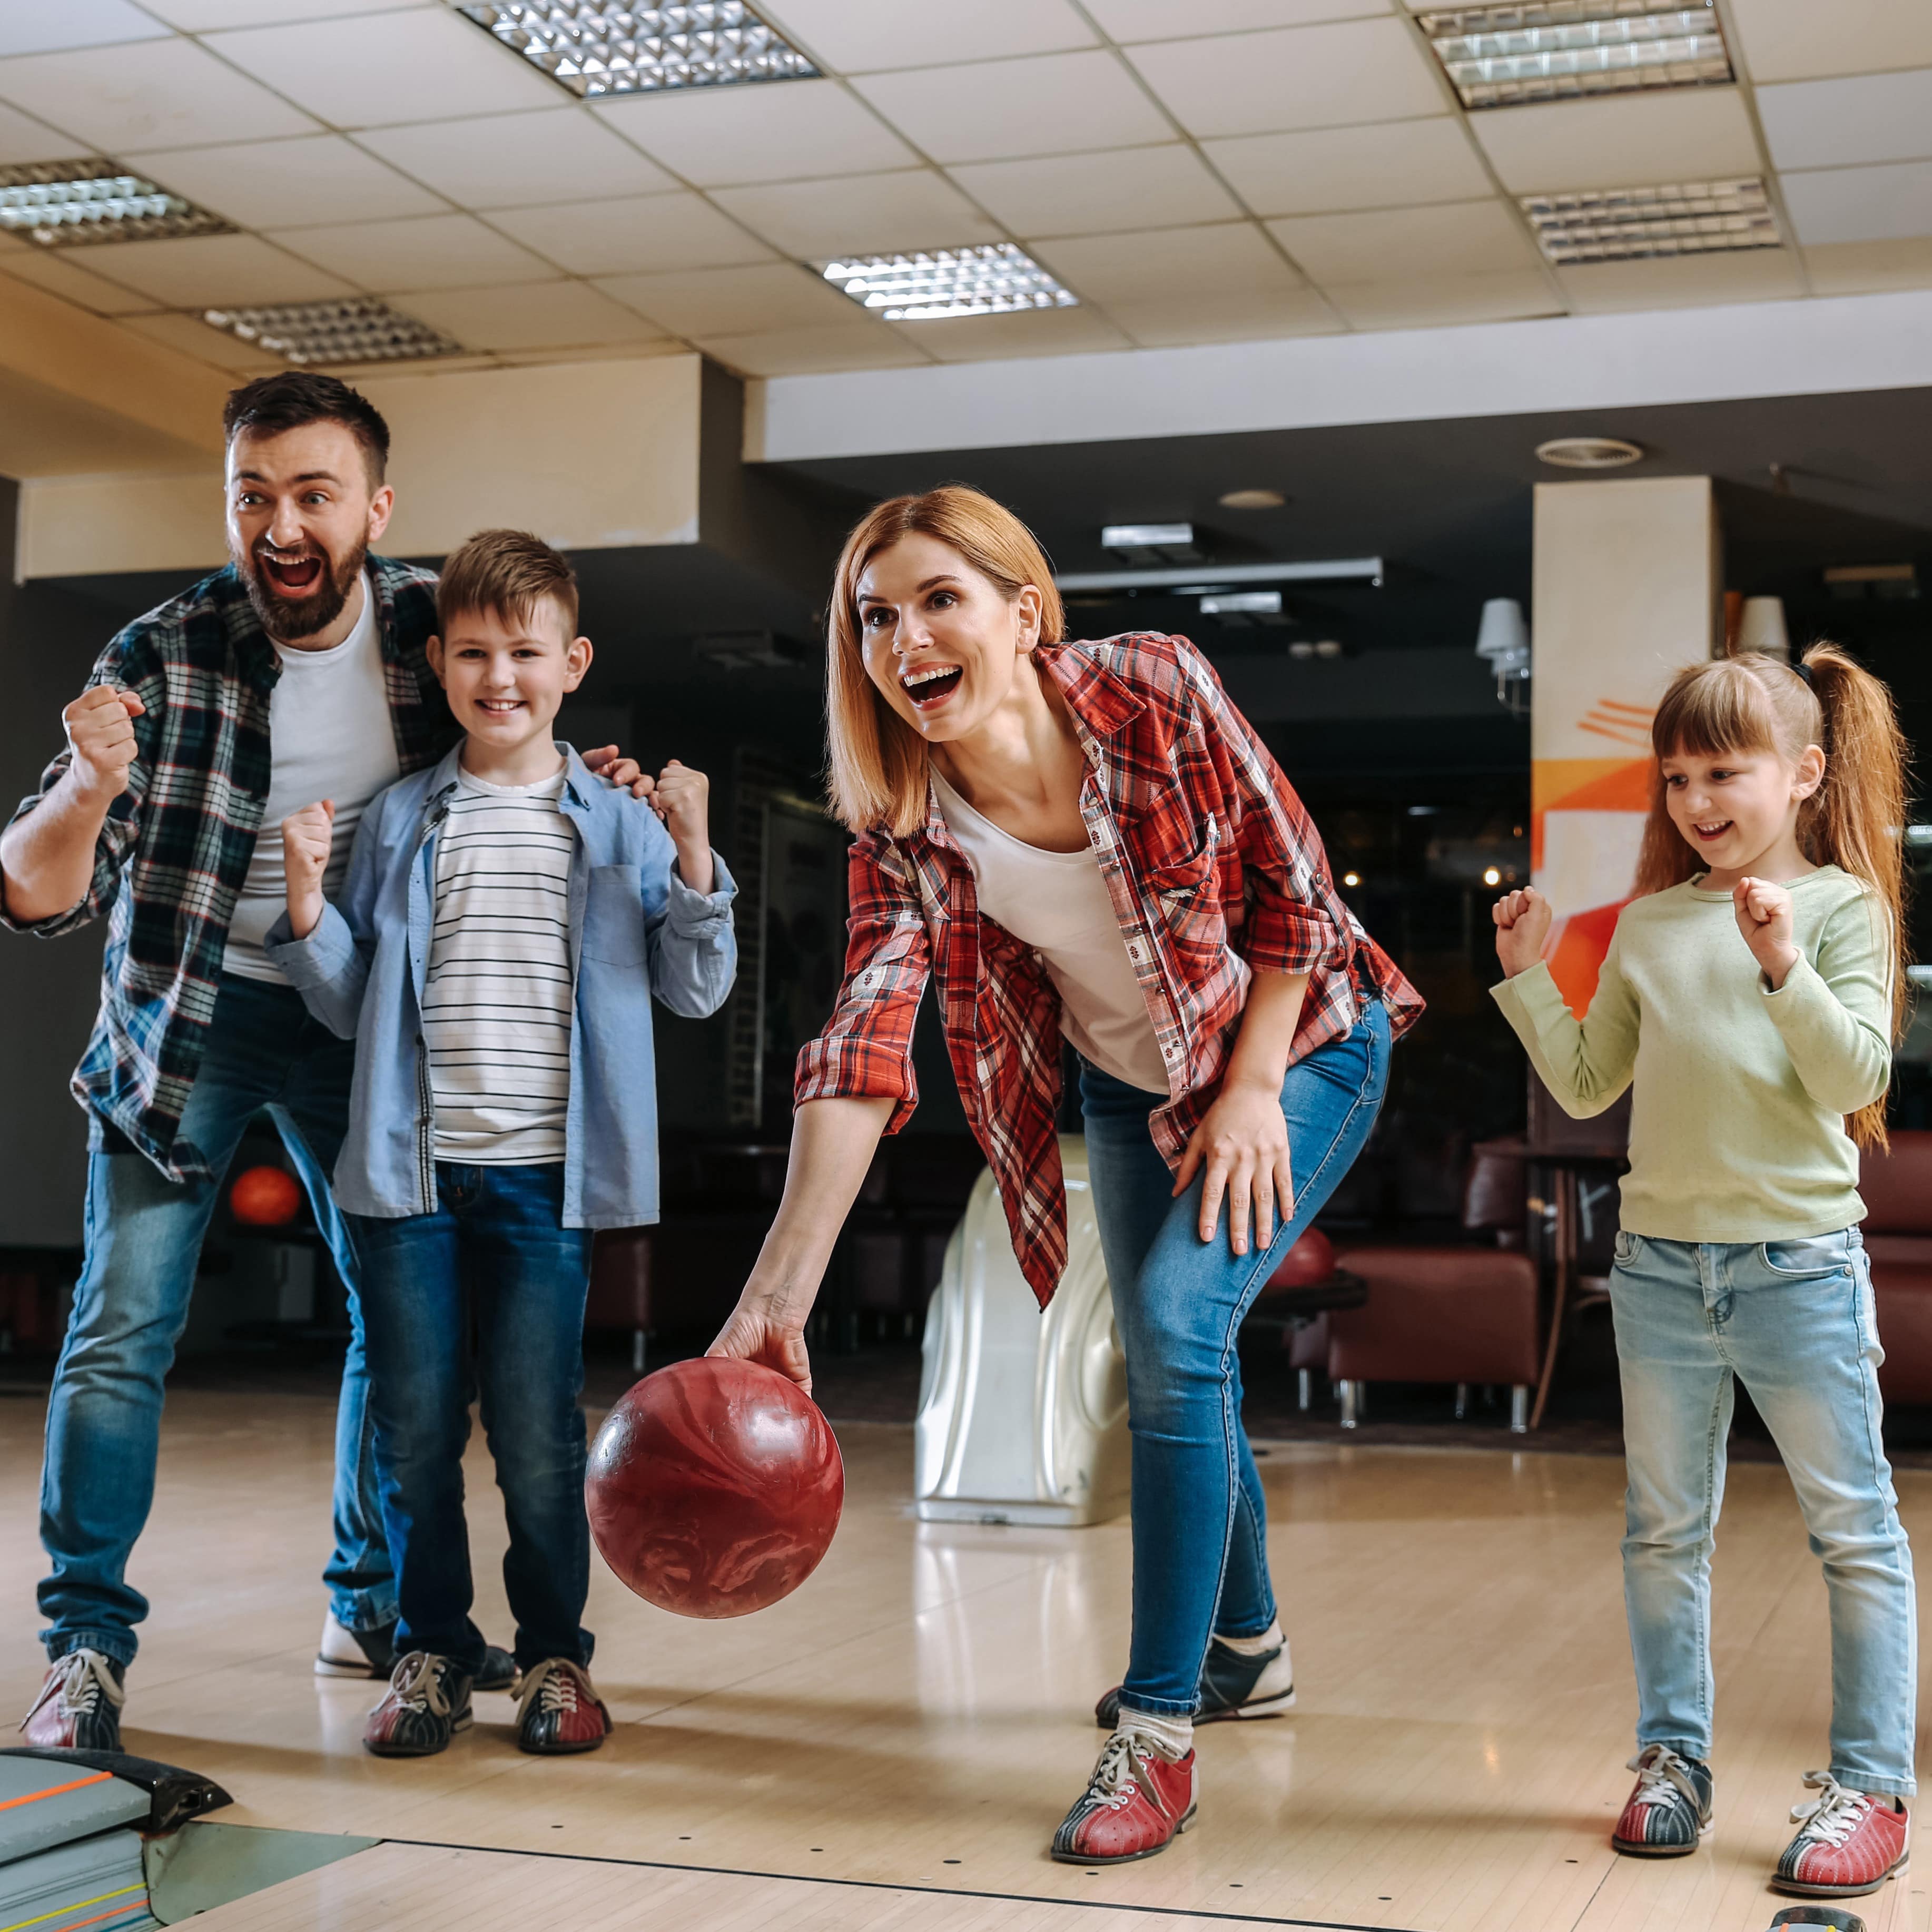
(994, 279)
(322, 332)
(76, 204)
(1624, 224)
(1567, 50)
(600, 51)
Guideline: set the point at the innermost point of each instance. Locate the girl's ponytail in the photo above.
(1856, 819)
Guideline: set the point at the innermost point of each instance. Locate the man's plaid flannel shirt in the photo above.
(174, 850)
(1214, 870)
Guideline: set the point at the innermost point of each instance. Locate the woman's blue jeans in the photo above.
(494, 1256)
(1200, 1524)
(1793, 1320)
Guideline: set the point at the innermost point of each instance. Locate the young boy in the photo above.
(506, 919)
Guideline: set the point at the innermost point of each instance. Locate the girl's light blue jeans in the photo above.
(1793, 1320)
(1200, 1525)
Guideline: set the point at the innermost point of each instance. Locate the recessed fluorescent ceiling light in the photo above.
(993, 279)
(595, 50)
(71, 204)
(364, 331)
(1562, 49)
(1620, 224)
(1588, 452)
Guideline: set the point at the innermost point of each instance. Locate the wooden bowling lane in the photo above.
(918, 1717)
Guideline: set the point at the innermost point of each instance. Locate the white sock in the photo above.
(1172, 1737)
(1270, 1639)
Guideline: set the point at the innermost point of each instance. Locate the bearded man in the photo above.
(297, 673)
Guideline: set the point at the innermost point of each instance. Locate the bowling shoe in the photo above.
(1232, 1685)
(1668, 1812)
(558, 1711)
(1136, 1803)
(79, 1708)
(427, 1703)
(344, 1652)
(1849, 1842)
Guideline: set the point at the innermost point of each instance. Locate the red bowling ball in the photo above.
(714, 1488)
(1311, 1259)
(265, 1197)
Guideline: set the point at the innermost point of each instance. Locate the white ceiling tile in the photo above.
(1864, 267)
(193, 337)
(719, 136)
(428, 251)
(1038, 332)
(1809, 40)
(1154, 19)
(208, 16)
(1081, 194)
(37, 26)
(1324, 76)
(1438, 301)
(150, 94)
(1053, 104)
(1323, 170)
(386, 67)
(867, 214)
(811, 352)
(1689, 281)
(638, 234)
(530, 315)
(56, 271)
(858, 36)
(283, 184)
(208, 270)
(24, 139)
(1689, 133)
(735, 301)
(1404, 244)
(1888, 203)
(1241, 315)
(518, 161)
(1107, 268)
(1830, 124)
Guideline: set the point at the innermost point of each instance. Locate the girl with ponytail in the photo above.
(1750, 998)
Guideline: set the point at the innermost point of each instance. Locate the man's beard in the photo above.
(291, 618)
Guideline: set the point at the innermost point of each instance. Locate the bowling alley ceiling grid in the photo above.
(1281, 167)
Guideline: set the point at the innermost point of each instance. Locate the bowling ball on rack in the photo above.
(714, 1487)
(1310, 1259)
(265, 1197)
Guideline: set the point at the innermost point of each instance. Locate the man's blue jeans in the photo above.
(144, 1234)
(1793, 1320)
(495, 1255)
(1200, 1524)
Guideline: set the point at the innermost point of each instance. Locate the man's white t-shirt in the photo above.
(1057, 903)
(330, 735)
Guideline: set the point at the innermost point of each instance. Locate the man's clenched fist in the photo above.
(306, 835)
(99, 726)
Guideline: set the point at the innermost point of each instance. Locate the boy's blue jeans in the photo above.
(1793, 1320)
(1200, 1524)
(494, 1255)
(144, 1234)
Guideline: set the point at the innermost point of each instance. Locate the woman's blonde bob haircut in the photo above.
(877, 779)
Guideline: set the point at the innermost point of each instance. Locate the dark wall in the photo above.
(49, 989)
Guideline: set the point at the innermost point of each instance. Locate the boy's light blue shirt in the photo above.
(636, 928)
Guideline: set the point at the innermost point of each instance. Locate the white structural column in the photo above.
(1628, 591)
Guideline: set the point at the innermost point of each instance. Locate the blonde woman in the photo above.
(1087, 840)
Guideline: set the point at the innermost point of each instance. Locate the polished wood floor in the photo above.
(893, 1746)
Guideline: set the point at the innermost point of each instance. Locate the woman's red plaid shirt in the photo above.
(1215, 870)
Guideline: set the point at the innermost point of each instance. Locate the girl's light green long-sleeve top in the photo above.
(1737, 1121)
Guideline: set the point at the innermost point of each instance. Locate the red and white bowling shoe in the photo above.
(1137, 1802)
(79, 1708)
(558, 1711)
(1850, 1842)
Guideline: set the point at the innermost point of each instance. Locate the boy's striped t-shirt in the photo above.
(497, 998)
